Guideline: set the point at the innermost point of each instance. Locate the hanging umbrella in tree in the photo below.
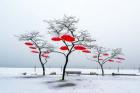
(38, 46)
(65, 32)
(103, 55)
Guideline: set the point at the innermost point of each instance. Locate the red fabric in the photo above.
(67, 38)
(120, 58)
(79, 47)
(110, 60)
(94, 56)
(47, 52)
(56, 39)
(101, 59)
(32, 47)
(86, 51)
(28, 43)
(34, 51)
(64, 48)
(105, 54)
(45, 55)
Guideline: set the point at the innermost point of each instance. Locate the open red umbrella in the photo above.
(86, 51)
(47, 52)
(34, 51)
(32, 47)
(110, 60)
(64, 48)
(105, 54)
(56, 39)
(94, 56)
(79, 47)
(120, 58)
(45, 55)
(67, 38)
(101, 59)
(28, 43)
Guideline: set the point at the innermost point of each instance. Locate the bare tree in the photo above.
(38, 45)
(65, 31)
(103, 55)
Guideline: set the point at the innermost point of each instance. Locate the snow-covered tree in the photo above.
(38, 46)
(103, 55)
(65, 31)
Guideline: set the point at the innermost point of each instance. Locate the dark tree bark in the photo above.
(64, 68)
(39, 44)
(100, 51)
(66, 62)
(102, 69)
(67, 25)
(42, 64)
(40, 60)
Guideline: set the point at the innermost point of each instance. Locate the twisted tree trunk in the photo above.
(64, 68)
(102, 69)
(42, 65)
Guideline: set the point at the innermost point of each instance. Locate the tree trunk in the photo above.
(43, 68)
(102, 69)
(118, 69)
(42, 65)
(64, 68)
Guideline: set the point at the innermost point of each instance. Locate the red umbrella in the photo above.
(28, 43)
(101, 59)
(34, 51)
(86, 51)
(64, 48)
(94, 56)
(120, 58)
(110, 60)
(67, 38)
(56, 39)
(32, 47)
(105, 54)
(79, 47)
(45, 55)
(46, 52)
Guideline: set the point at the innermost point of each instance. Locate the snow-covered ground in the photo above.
(12, 81)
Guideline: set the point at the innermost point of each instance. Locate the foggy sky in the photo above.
(113, 23)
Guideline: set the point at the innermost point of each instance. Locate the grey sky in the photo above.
(113, 23)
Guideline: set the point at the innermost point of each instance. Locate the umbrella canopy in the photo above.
(105, 54)
(45, 55)
(28, 43)
(94, 56)
(110, 60)
(86, 51)
(120, 58)
(67, 38)
(101, 59)
(79, 47)
(56, 39)
(34, 51)
(64, 48)
(32, 47)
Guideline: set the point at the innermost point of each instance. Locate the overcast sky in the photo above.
(113, 23)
